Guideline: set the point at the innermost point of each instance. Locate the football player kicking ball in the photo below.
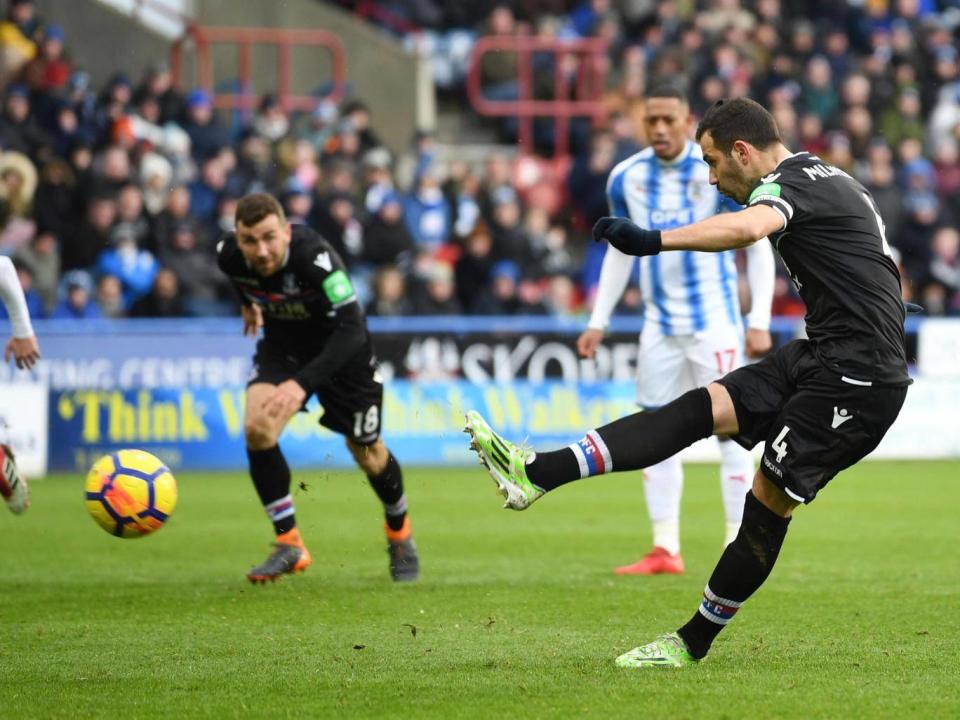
(25, 351)
(820, 404)
(315, 341)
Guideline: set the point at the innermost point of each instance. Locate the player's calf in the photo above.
(630, 443)
(744, 566)
(386, 479)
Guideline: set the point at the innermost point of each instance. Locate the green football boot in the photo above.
(666, 651)
(505, 462)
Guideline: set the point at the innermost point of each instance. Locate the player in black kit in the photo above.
(315, 341)
(820, 404)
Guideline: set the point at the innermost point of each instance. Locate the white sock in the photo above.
(736, 477)
(663, 486)
(666, 534)
(731, 533)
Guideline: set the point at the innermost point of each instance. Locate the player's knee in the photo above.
(724, 413)
(772, 497)
(259, 434)
(372, 459)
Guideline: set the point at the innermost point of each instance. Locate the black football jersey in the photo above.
(310, 310)
(834, 246)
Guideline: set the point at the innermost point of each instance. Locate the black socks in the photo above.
(271, 478)
(630, 443)
(744, 565)
(388, 486)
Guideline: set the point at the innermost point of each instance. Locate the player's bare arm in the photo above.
(757, 343)
(728, 231)
(724, 232)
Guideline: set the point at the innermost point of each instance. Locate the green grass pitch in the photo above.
(517, 614)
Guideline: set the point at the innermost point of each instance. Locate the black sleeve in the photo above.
(341, 346)
(319, 266)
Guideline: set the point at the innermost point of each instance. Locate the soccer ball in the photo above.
(130, 493)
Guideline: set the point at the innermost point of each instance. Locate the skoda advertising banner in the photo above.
(176, 388)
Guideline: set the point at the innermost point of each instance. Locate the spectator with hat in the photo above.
(386, 239)
(271, 121)
(18, 130)
(77, 302)
(206, 133)
(50, 69)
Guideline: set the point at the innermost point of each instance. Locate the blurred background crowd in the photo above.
(112, 198)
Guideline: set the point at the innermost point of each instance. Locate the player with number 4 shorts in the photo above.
(315, 342)
(820, 404)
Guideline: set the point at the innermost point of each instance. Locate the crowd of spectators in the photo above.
(112, 198)
(872, 86)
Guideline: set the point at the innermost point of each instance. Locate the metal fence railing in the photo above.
(577, 84)
(203, 39)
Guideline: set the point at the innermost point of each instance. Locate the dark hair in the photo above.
(739, 119)
(667, 89)
(255, 207)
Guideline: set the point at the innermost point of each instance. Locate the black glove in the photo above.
(627, 237)
(912, 308)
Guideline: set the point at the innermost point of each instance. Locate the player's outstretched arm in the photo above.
(23, 346)
(726, 231)
(720, 232)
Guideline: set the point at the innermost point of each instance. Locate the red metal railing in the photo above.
(283, 39)
(576, 94)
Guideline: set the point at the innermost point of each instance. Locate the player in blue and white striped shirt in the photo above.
(693, 331)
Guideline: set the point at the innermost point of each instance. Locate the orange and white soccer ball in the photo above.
(130, 493)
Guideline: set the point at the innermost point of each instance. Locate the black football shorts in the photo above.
(814, 424)
(352, 400)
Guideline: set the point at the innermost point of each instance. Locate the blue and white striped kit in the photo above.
(684, 292)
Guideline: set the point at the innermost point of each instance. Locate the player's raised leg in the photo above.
(386, 478)
(271, 478)
(630, 443)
